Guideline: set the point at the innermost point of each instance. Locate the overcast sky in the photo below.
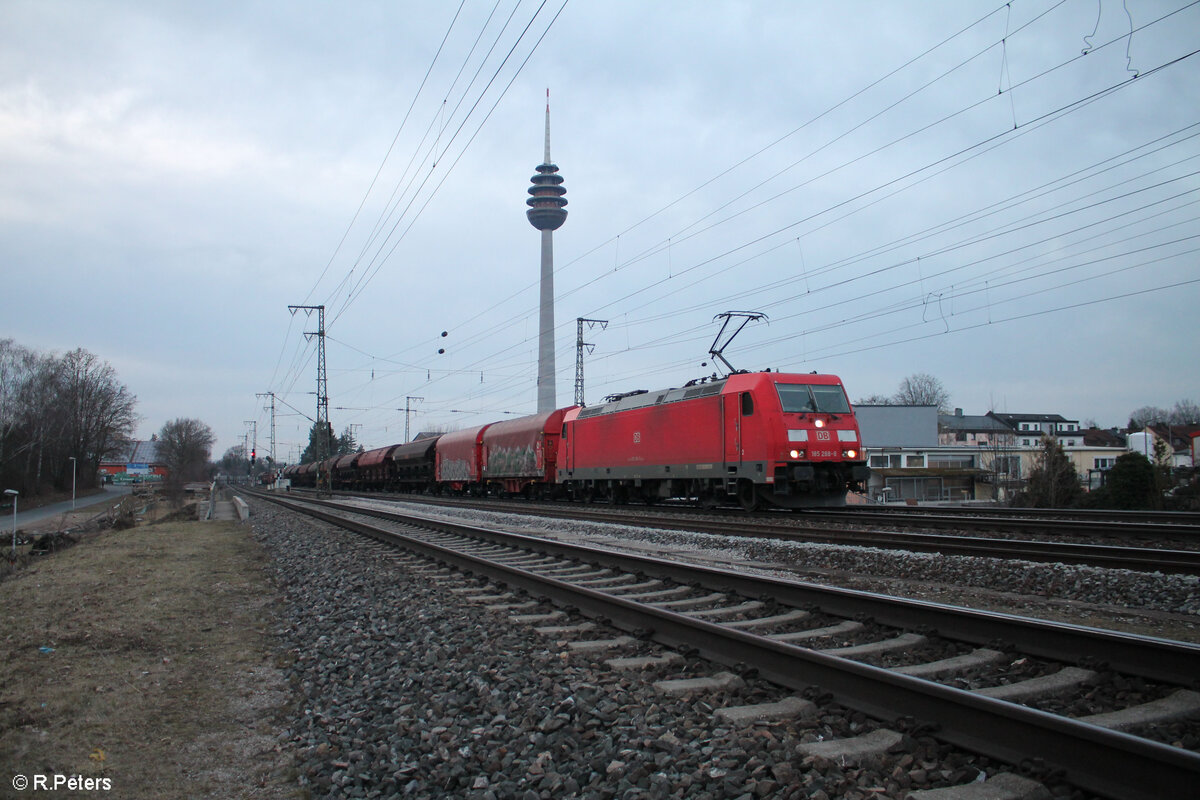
(944, 187)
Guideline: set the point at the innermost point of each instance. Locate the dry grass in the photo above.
(161, 676)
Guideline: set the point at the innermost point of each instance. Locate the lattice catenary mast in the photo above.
(324, 430)
(580, 346)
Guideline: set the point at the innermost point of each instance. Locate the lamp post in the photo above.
(14, 494)
(72, 482)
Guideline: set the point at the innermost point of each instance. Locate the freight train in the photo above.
(757, 438)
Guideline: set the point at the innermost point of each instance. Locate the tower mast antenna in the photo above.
(546, 213)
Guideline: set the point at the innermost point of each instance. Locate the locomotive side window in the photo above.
(747, 404)
(800, 398)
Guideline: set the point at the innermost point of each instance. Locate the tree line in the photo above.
(54, 408)
(1134, 482)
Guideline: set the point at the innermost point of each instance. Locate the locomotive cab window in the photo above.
(801, 398)
(747, 404)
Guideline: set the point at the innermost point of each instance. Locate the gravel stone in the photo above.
(405, 689)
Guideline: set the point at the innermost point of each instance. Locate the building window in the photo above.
(951, 461)
(885, 461)
(931, 489)
(914, 461)
(1103, 463)
(1008, 465)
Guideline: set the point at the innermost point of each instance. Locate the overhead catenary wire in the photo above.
(487, 359)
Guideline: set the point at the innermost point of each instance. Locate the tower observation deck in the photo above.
(546, 213)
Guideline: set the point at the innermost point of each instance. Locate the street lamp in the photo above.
(14, 494)
(72, 482)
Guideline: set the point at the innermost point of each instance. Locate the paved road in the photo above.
(96, 502)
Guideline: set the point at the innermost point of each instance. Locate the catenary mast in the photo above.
(546, 213)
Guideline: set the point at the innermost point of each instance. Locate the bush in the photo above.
(1130, 485)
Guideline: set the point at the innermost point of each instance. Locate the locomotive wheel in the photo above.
(747, 495)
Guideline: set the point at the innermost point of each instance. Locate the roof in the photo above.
(135, 453)
(144, 453)
(969, 422)
(1177, 435)
(1009, 419)
(1102, 437)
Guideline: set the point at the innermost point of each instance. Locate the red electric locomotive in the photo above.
(766, 438)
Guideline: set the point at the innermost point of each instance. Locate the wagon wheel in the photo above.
(747, 495)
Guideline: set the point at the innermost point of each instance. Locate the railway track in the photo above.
(1172, 518)
(889, 658)
(1146, 559)
(1125, 525)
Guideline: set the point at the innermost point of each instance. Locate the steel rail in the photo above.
(1175, 518)
(1150, 657)
(1109, 763)
(932, 519)
(1186, 562)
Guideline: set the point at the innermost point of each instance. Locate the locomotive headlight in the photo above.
(795, 454)
(849, 454)
(820, 423)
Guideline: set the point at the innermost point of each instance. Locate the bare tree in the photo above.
(873, 400)
(1147, 415)
(235, 462)
(16, 365)
(99, 410)
(922, 389)
(1185, 412)
(54, 408)
(184, 445)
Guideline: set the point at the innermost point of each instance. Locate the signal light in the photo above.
(252, 457)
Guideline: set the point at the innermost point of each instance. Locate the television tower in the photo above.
(546, 213)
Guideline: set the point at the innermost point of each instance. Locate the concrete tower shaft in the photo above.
(546, 213)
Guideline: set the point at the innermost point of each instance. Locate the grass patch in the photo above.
(161, 676)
